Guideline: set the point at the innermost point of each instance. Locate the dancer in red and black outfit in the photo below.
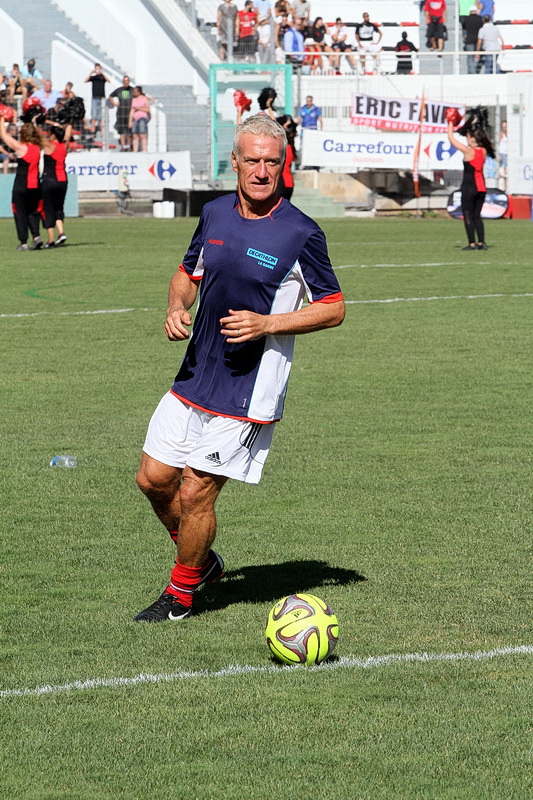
(26, 198)
(286, 184)
(473, 187)
(54, 186)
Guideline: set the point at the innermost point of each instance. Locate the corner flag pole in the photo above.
(416, 154)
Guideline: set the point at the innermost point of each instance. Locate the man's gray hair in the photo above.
(260, 125)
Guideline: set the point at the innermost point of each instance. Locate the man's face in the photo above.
(126, 81)
(365, 17)
(47, 86)
(309, 101)
(258, 166)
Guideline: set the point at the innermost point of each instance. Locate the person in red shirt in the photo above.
(435, 11)
(478, 146)
(26, 198)
(55, 183)
(247, 31)
(286, 184)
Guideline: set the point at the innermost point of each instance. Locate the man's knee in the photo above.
(199, 491)
(154, 478)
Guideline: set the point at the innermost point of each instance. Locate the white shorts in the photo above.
(181, 435)
(369, 47)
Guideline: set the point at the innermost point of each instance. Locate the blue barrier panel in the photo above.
(6, 187)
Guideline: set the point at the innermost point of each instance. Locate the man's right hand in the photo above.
(176, 324)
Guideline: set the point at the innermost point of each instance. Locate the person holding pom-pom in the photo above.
(26, 197)
(473, 189)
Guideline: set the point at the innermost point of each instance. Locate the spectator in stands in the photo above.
(317, 33)
(464, 11)
(364, 35)
(47, 95)
(293, 43)
(121, 99)
(32, 75)
(53, 114)
(489, 38)
(7, 154)
(309, 116)
(265, 45)
(68, 93)
(98, 79)
(339, 35)
(247, 44)
(282, 7)
(281, 27)
(485, 7)
(227, 27)
(263, 8)
(16, 87)
(435, 11)
(138, 119)
(301, 11)
(472, 25)
(404, 49)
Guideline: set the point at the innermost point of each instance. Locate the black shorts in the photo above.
(435, 30)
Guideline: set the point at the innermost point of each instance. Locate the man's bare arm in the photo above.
(243, 326)
(181, 296)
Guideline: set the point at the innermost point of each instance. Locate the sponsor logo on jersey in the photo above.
(220, 242)
(214, 457)
(263, 259)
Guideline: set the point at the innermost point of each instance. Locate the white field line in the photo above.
(348, 302)
(407, 266)
(77, 313)
(232, 670)
(437, 297)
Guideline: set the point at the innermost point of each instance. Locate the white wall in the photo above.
(132, 39)
(11, 43)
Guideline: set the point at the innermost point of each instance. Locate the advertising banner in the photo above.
(520, 176)
(102, 171)
(495, 205)
(400, 113)
(350, 152)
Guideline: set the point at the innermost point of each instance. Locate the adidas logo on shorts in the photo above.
(214, 457)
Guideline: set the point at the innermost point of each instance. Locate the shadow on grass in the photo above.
(270, 582)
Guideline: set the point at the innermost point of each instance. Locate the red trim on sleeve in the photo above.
(330, 298)
(192, 277)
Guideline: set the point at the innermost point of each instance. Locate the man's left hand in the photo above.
(243, 326)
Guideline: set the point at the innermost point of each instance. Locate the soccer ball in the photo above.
(301, 629)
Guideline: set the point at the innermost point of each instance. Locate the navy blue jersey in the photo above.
(265, 265)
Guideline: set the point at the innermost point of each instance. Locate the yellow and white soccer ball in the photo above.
(301, 629)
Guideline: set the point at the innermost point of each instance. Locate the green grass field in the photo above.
(398, 489)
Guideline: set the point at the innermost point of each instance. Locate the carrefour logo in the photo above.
(163, 170)
(441, 150)
(262, 258)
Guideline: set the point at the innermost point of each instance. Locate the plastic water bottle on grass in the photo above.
(64, 461)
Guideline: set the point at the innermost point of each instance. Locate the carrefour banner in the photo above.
(520, 176)
(400, 113)
(354, 151)
(101, 171)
